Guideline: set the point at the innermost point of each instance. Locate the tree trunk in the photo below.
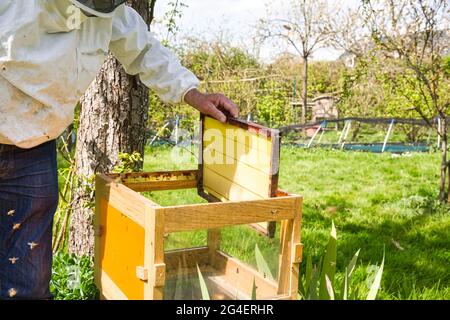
(304, 89)
(443, 195)
(113, 119)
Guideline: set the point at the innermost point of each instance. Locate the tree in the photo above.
(113, 119)
(348, 32)
(304, 28)
(416, 33)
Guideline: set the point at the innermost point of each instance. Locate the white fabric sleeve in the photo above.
(138, 50)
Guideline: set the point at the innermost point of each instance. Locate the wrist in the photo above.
(191, 96)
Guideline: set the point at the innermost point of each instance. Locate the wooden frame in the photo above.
(271, 134)
(130, 261)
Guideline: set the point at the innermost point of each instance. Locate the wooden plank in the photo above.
(241, 276)
(124, 199)
(275, 166)
(200, 188)
(120, 250)
(152, 181)
(225, 290)
(251, 126)
(279, 297)
(289, 262)
(109, 290)
(154, 254)
(142, 273)
(218, 215)
(218, 133)
(227, 273)
(186, 258)
(297, 249)
(285, 256)
(162, 185)
(274, 172)
(213, 244)
(262, 227)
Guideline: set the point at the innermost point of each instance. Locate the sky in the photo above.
(233, 20)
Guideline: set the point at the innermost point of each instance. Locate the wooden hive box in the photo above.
(130, 260)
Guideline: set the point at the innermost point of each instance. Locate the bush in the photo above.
(73, 278)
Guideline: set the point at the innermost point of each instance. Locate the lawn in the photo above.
(377, 202)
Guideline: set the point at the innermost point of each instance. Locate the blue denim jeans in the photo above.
(28, 201)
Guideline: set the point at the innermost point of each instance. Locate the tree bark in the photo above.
(113, 119)
(443, 194)
(304, 90)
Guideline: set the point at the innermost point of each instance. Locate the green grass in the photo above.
(375, 200)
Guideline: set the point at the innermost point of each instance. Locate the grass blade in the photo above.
(329, 288)
(179, 285)
(351, 266)
(376, 282)
(345, 287)
(348, 274)
(329, 264)
(261, 263)
(204, 289)
(312, 293)
(309, 268)
(254, 290)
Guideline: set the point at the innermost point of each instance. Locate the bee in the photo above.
(32, 245)
(12, 292)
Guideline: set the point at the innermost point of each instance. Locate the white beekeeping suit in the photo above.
(51, 51)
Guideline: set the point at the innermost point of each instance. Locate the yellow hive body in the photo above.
(130, 261)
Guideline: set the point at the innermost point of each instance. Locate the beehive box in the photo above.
(130, 260)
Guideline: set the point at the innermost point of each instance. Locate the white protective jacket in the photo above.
(46, 64)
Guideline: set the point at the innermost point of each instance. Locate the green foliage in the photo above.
(261, 264)
(72, 278)
(170, 19)
(385, 88)
(320, 283)
(253, 297)
(324, 77)
(376, 284)
(271, 106)
(328, 267)
(203, 287)
(348, 276)
(128, 162)
(446, 66)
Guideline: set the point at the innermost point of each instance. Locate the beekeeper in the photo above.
(50, 51)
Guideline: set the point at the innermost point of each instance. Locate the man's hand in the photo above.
(211, 103)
